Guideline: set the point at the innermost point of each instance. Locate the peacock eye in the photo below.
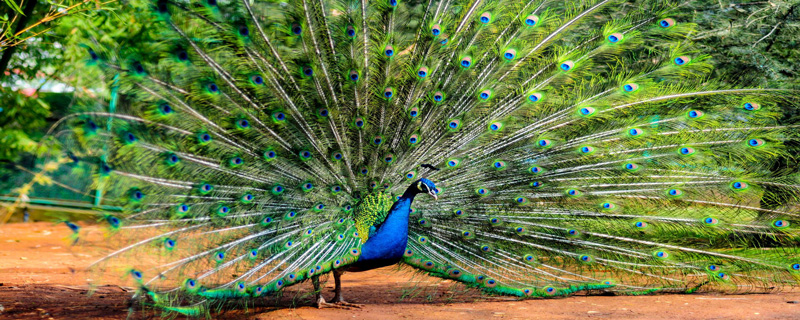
(466, 62)
(413, 139)
(173, 159)
(544, 143)
(422, 72)
(510, 54)
(204, 138)
(212, 87)
(136, 194)
(682, 60)
(164, 108)
(182, 55)
(485, 18)
(137, 67)
(686, 151)
(586, 111)
(93, 55)
(755, 142)
(630, 87)
(694, 114)
(91, 126)
(297, 29)
(751, 106)
(666, 23)
(531, 20)
(130, 138)
(436, 30)
(614, 37)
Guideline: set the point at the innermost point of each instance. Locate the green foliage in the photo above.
(47, 74)
(28, 116)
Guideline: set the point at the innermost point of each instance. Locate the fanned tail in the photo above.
(579, 146)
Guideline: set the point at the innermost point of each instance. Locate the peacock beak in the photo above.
(433, 194)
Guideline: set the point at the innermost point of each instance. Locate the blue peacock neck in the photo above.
(387, 245)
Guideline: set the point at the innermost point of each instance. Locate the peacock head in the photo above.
(425, 186)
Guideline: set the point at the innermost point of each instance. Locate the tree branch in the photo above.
(27, 12)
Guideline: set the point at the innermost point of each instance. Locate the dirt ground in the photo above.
(41, 278)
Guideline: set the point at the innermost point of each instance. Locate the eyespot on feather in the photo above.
(531, 20)
(422, 72)
(466, 62)
(436, 30)
(485, 18)
(666, 23)
(682, 60)
(535, 97)
(510, 54)
(614, 37)
(751, 106)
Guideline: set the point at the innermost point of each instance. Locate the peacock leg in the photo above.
(337, 299)
(320, 301)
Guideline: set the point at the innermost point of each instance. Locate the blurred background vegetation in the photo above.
(44, 73)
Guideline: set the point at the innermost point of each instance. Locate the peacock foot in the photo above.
(321, 303)
(340, 301)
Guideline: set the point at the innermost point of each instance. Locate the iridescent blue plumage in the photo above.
(388, 243)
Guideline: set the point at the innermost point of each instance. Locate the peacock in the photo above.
(528, 148)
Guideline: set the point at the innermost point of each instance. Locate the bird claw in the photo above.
(347, 304)
(336, 303)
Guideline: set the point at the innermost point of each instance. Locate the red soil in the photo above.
(41, 278)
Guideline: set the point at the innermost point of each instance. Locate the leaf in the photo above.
(14, 6)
